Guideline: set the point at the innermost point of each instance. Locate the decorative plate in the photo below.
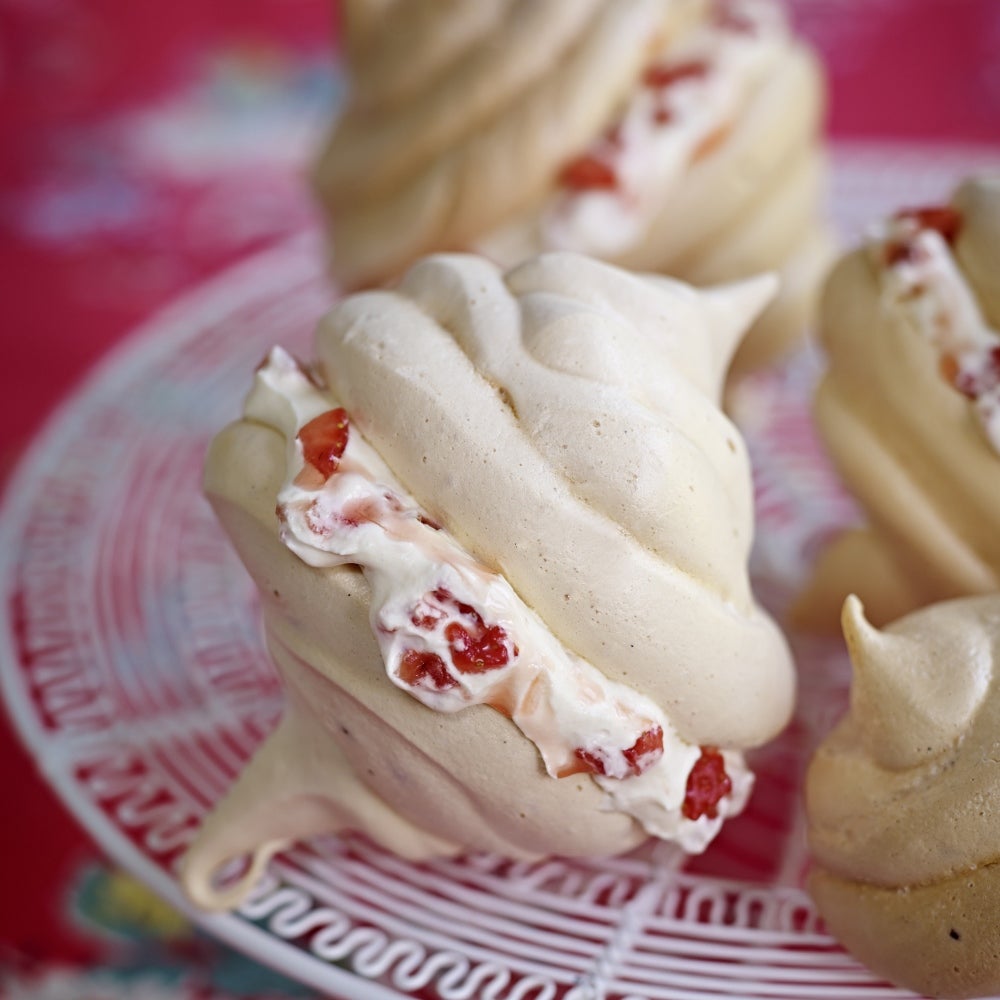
(133, 666)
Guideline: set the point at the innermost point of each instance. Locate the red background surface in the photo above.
(907, 70)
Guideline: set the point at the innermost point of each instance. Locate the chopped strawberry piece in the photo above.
(899, 252)
(474, 646)
(423, 669)
(663, 116)
(324, 439)
(707, 785)
(479, 650)
(941, 218)
(646, 750)
(426, 616)
(994, 363)
(446, 597)
(662, 75)
(966, 385)
(979, 381)
(588, 173)
(594, 762)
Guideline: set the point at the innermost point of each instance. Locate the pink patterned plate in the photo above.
(133, 666)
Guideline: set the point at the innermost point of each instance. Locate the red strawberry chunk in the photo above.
(978, 382)
(586, 173)
(478, 650)
(595, 762)
(662, 75)
(646, 750)
(474, 647)
(941, 218)
(427, 617)
(324, 439)
(900, 252)
(423, 669)
(447, 598)
(707, 785)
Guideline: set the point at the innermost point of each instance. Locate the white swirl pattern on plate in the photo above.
(135, 671)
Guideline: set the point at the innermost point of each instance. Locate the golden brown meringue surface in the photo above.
(540, 457)
(909, 410)
(903, 805)
(678, 136)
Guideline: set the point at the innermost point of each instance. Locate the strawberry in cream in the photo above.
(686, 102)
(453, 634)
(910, 409)
(512, 495)
(675, 136)
(924, 281)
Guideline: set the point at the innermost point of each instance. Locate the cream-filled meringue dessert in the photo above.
(910, 409)
(675, 136)
(500, 529)
(903, 800)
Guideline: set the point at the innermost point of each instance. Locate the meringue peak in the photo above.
(915, 688)
(732, 309)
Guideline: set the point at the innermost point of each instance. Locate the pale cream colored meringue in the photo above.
(462, 119)
(921, 457)
(903, 800)
(560, 423)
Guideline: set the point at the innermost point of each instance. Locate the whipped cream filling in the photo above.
(921, 279)
(452, 633)
(687, 100)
